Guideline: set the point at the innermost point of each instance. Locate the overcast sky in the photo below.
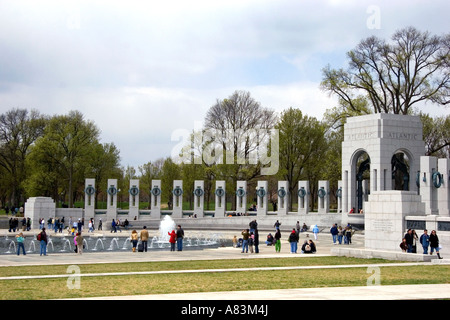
(142, 69)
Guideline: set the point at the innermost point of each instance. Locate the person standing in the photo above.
(100, 225)
(256, 241)
(340, 234)
(172, 240)
(42, 237)
(20, 239)
(251, 239)
(245, 235)
(277, 238)
(409, 240)
(180, 236)
(144, 238)
(134, 239)
(315, 230)
(425, 241)
(334, 232)
(79, 239)
(293, 239)
(434, 243)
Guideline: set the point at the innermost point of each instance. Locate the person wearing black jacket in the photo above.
(409, 240)
(434, 243)
(180, 236)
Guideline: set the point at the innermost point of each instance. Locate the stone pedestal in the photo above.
(199, 198)
(283, 198)
(262, 191)
(221, 203)
(385, 222)
(444, 190)
(303, 197)
(339, 197)
(89, 199)
(111, 206)
(134, 199)
(428, 166)
(241, 197)
(323, 194)
(39, 207)
(155, 199)
(177, 199)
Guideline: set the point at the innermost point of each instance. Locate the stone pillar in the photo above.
(199, 198)
(428, 166)
(262, 191)
(134, 199)
(111, 206)
(283, 197)
(444, 189)
(221, 201)
(323, 201)
(339, 197)
(303, 197)
(241, 196)
(177, 200)
(155, 199)
(89, 199)
(39, 207)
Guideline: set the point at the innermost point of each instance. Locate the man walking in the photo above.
(334, 232)
(425, 241)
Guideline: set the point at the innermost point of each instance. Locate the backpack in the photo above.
(38, 237)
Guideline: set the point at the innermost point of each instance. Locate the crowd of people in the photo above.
(411, 239)
(250, 239)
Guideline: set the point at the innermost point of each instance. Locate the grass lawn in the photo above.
(204, 282)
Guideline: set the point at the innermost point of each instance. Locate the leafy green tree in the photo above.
(67, 142)
(302, 146)
(19, 129)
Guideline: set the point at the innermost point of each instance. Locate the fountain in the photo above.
(194, 240)
(96, 244)
(66, 241)
(12, 244)
(111, 245)
(127, 240)
(32, 247)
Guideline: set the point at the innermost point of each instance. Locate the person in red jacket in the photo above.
(172, 240)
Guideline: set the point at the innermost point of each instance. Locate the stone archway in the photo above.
(381, 136)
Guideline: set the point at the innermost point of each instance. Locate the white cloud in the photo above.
(141, 69)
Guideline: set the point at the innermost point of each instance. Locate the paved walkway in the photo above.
(324, 245)
(400, 292)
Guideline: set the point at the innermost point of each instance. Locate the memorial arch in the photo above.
(392, 145)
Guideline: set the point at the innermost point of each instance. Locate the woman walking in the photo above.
(434, 243)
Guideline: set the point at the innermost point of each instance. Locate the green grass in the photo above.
(205, 282)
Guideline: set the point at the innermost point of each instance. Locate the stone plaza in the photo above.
(387, 187)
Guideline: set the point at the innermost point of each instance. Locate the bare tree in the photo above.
(394, 76)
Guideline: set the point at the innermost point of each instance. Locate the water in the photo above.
(194, 240)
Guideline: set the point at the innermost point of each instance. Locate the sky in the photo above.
(141, 70)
